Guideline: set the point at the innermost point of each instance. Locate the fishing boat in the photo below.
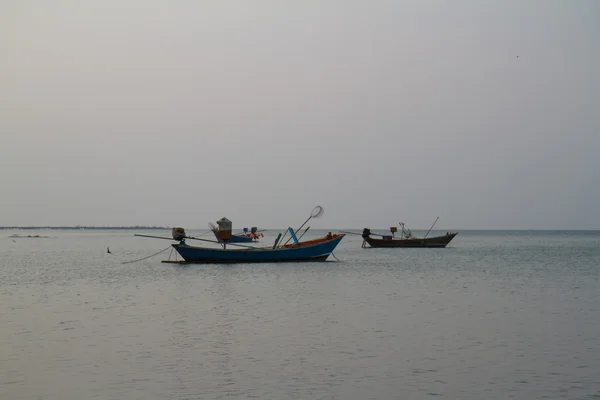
(317, 251)
(406, 238)
(312, 250)
(391, 241)
(246, 236)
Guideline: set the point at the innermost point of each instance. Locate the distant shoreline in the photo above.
(79, 227)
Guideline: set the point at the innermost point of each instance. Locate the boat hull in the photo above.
(434, 242)
(203, 255)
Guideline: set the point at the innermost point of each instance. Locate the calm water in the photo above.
(498, 315)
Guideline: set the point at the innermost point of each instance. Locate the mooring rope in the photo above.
(141, 259)
(334, 256)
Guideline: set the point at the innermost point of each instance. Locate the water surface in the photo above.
(497, 315)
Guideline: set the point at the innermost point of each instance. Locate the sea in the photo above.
(496, 315)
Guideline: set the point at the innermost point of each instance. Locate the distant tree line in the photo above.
(85, 227)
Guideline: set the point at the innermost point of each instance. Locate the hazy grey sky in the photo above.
(182, 112)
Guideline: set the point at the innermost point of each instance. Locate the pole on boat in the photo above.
(153, 237)
(213, 241)
(431, 227)
(304, 232)
(315, 213)
(277, 240)
(353, 233)
(356, 233)
(282, 236)
(402, 235)
(195, 238)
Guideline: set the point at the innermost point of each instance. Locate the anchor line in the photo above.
(141, 259)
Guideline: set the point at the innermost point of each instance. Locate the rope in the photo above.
(155, 254)
(334, 256)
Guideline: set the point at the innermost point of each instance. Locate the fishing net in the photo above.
(317, 212)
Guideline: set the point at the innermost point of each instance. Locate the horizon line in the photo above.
(157, 227)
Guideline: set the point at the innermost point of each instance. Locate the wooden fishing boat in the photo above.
(311, 250)
(316, 251)
(405, 239)
(391, 241)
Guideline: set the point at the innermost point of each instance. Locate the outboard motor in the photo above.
(366, 233)
(178, 234)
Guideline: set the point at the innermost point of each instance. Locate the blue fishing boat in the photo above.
(247, 236)
(310, 250)
(239, 238)
(318, 250)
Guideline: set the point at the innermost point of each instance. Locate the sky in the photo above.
(124, 112)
